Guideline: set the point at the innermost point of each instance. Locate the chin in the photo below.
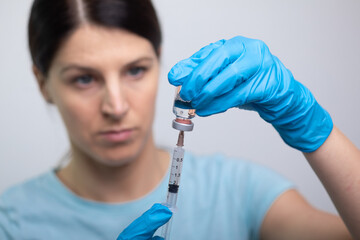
(116, 161)
(115, 154)
(120, 155)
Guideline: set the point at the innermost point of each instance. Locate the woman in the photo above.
(98, 62)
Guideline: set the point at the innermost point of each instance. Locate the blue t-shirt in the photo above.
(219, 198)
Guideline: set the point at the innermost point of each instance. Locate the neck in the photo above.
(96, 181)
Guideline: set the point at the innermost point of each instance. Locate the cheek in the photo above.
(143, 100)
(78, 115)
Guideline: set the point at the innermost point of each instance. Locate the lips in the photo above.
(117, 136)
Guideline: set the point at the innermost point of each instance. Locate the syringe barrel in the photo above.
(165, 230)
(174, 181)
(171, 204)
(171, 201)
(176, 166)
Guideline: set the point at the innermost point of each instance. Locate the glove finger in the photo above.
(223, 83)
(243, 69)
(218, 60)
(183, 68)
(244, 94)
(218, 105)
(144, 227)
(253, 65)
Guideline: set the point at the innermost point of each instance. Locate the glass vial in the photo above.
(183, 112)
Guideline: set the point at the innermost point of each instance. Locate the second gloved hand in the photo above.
(241, 72)
(144, 227)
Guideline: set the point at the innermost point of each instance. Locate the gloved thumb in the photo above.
(144, 227)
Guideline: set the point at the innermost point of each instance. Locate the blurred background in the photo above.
(317, 40)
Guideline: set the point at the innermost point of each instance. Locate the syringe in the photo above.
(174, 181)
(184, 113)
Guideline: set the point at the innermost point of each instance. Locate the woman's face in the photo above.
(104, 83)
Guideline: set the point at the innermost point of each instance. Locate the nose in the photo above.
(114, 105)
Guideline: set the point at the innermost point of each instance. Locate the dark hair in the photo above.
(52, 21)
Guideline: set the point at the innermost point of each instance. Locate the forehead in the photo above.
(91, 43)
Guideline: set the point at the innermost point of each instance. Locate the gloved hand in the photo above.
(144, 227)
(241, 72)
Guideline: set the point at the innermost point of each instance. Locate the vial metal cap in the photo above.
(183, 126)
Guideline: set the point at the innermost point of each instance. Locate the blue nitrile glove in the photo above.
(241, 72)
(144, 227)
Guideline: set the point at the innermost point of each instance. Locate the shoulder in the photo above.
(19, 199)
(27, 190)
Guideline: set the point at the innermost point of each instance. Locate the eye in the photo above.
(83, 81)
(136, 72)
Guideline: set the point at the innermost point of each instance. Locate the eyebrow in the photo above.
(77, 67)
(85, 68)
(149, 59)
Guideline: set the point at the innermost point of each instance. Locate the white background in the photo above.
(319, 41)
